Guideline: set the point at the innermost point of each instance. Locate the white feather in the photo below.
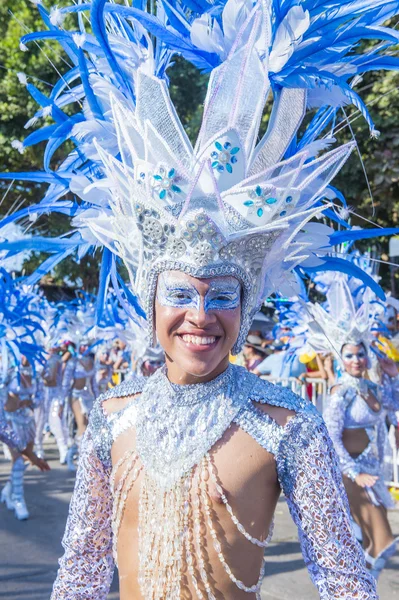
(207, 35)
(288, 37)
(22, 78)
(18, 145)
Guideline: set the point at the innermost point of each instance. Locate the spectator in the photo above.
(253, 351)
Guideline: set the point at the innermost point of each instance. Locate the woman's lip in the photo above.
(198, 347)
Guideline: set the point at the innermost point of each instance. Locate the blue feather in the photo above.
(59, 137)
(91, 98)
(41, 99)
(331, 263)
(105, 274)
(38, 176)
(40, 135)
(361, 234)
(48, 265)
(69, 49)
(99, 30)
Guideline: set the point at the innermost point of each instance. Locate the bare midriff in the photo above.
(79, 382)
(247, 474)
(355, 441)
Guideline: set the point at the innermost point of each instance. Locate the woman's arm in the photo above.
(86, 568)
(335, 421)
(309, 475)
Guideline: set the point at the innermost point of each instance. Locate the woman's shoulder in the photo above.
(106, 409)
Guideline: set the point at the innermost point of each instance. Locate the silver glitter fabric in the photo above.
(347, 409)
(175, 434)
(87, 567)
(307, 468)
(7, 433)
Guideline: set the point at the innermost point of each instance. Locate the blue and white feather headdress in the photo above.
(231, 204)
(20, 325)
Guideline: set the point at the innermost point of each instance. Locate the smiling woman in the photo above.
(197, 455)
(197, 322)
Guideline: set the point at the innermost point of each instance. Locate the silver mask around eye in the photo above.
(176, 291)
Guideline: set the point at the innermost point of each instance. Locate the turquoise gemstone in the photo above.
(258, 191)
(229, 168)
(259, 212)
(215, 164)
(171, 173)
(158, 177)
(234, 150)
(248, 203)
(271, 200)
(162, 194)
(219, 146)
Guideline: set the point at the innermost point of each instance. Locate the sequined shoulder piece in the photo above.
(262, 428)
(99, 423)
(344, 391)
(127, 388)
(266, 392)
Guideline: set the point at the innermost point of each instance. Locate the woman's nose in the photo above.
(200, 317)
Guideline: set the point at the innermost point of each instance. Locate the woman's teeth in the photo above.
(198, 340)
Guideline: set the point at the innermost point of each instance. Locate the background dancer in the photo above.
(355, 414)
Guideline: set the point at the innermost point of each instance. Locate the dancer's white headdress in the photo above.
(230, 205)
(342, 324)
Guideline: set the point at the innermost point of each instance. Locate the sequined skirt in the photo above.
(86, 399)
(23, 423)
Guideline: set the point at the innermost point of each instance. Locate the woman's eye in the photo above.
(180, 295)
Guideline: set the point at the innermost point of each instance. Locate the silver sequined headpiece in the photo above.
(343, 323)
(227, 206)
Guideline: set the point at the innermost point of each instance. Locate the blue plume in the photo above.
(332, 263)
(359, 234)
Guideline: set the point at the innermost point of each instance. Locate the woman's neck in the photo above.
(177, 375)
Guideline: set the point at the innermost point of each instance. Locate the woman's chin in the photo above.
(200, 367)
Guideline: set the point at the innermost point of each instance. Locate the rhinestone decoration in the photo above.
(224, 157)
(164, 183)
(176, 247)
(203, 253)
(192, 417)
(259, 201)
(153, 230)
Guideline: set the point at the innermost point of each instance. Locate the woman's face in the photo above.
(354, 358)
(197, 323)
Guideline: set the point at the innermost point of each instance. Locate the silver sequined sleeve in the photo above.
(335, 420)
(68, 378)
(390, 397)
(7, 434)
(86, 568)
(311, 480)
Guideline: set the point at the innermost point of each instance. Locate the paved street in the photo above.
(29, 550)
